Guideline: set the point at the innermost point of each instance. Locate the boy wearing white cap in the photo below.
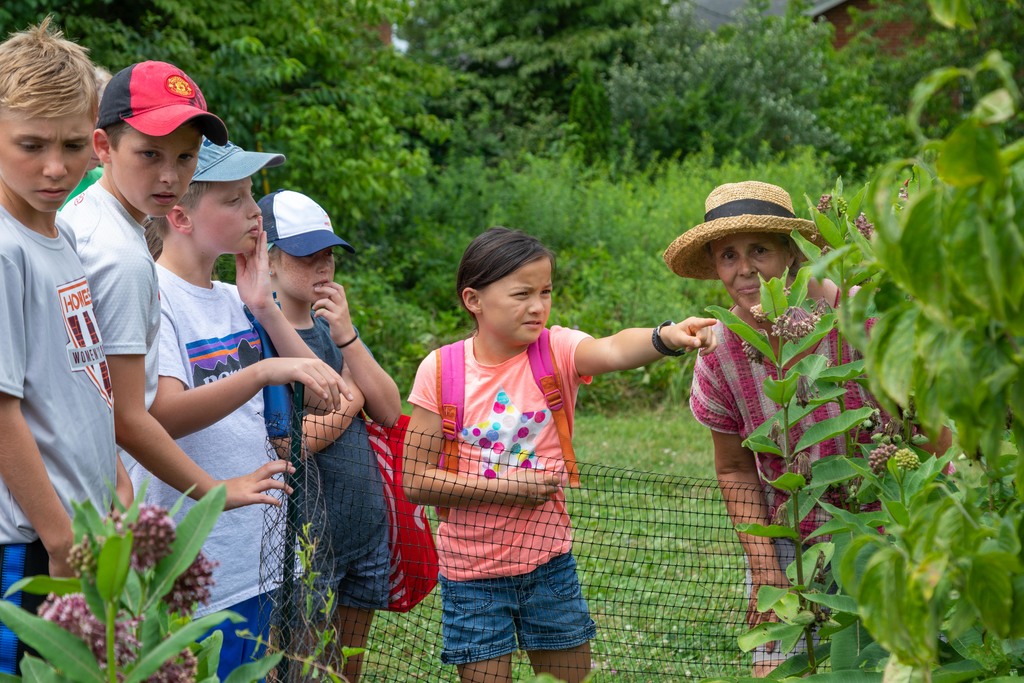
(212, 368)
(353, 555)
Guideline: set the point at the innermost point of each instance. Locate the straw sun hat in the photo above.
(750, 206)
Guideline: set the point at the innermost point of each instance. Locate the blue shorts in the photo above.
(489, 618)
(237, 650)
(18, 560)
(364, 582)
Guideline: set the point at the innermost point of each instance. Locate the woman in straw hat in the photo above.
(745, 236)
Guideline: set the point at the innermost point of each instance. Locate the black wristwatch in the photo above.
(659, 345)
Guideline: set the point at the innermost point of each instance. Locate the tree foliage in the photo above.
(516, 59)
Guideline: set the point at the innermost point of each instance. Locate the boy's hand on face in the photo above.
(251, 489)
(252, 276)
(333, 307)
(692, 333)
(318, 377)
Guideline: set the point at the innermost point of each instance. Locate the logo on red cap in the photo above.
(176, 85)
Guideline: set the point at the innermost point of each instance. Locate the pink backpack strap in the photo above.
(451, 394)
(545, 374)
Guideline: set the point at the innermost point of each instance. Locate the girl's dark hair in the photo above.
(495, 253)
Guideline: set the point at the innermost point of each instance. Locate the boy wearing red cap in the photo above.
(152, 119)
(56, 421)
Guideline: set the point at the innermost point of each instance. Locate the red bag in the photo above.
(414, 566)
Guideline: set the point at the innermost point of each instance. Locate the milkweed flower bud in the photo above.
(863, 226)
(825, 203)
(907, 460)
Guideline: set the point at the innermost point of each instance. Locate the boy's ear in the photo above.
(101, 145)
(179, 221)
(471, 300)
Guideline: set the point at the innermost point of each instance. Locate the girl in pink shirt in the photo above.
(508, 577)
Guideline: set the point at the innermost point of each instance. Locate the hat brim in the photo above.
(165, 120)
(687, 256)
(238, 166)
(311, 242)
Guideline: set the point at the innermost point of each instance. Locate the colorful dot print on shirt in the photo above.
(507, 437)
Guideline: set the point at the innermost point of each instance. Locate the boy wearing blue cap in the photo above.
(353, 554)
(212, 368)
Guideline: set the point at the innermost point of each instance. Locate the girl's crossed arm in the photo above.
(425, 483)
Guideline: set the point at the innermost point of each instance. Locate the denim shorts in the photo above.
(489, 618)
(365, 581)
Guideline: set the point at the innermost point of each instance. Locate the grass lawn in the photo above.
(659, 562)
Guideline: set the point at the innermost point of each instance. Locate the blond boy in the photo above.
(56, 419)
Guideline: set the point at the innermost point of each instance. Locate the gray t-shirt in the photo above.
(52, 359)
(112, 246)
(352, 490)
(205, 336)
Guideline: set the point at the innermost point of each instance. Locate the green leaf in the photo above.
(773, 297)
(762, 444)
(781, 391)
(821, 330)
(254, 671)
(767, 596)
(44, 585)
(790, 481)
(969, 156)
(898, 512)
(829, 230)
(36, 670)
(63, 650)
(831, 427)
(839, 603)
(995, 107)
(990, 590)
(175, 643)
(112, 566)
(744, 331)
(188, 541)
(952, 13)
(798, 290)
(923, 91)
(769, 531)
(765, 633)
(843, 373)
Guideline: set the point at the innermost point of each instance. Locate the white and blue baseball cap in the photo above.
(225, 163)
(297, 225)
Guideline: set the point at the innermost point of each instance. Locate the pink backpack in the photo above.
(451, 392)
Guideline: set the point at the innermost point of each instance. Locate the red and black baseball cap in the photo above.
(156, 98)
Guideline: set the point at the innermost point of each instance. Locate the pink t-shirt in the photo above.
(506, 424)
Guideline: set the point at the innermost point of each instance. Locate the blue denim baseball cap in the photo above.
(224, 163)
(297, 225)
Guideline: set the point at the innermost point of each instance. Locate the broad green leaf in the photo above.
(811, 250)
(898, 512)
(952, 13)
(254, 671)
(768, 596)
(843, 373)
(769, 531)
(762, 444)
(964, 670)
(744, 331)
(828, 230)
(833, 469)
(37, 671)
(112, 566)
(773, 297)
(44, 585)
(790, 481)
(821, 330)
(189, 539)
(841, 603)
(831, 427)
(766, 633)
(175, 643)
(990, 589)
(781, 391)
(59, 647)
(798, 290)
(995, 107)
(923, 92)
(209, 654)
(969, 156)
